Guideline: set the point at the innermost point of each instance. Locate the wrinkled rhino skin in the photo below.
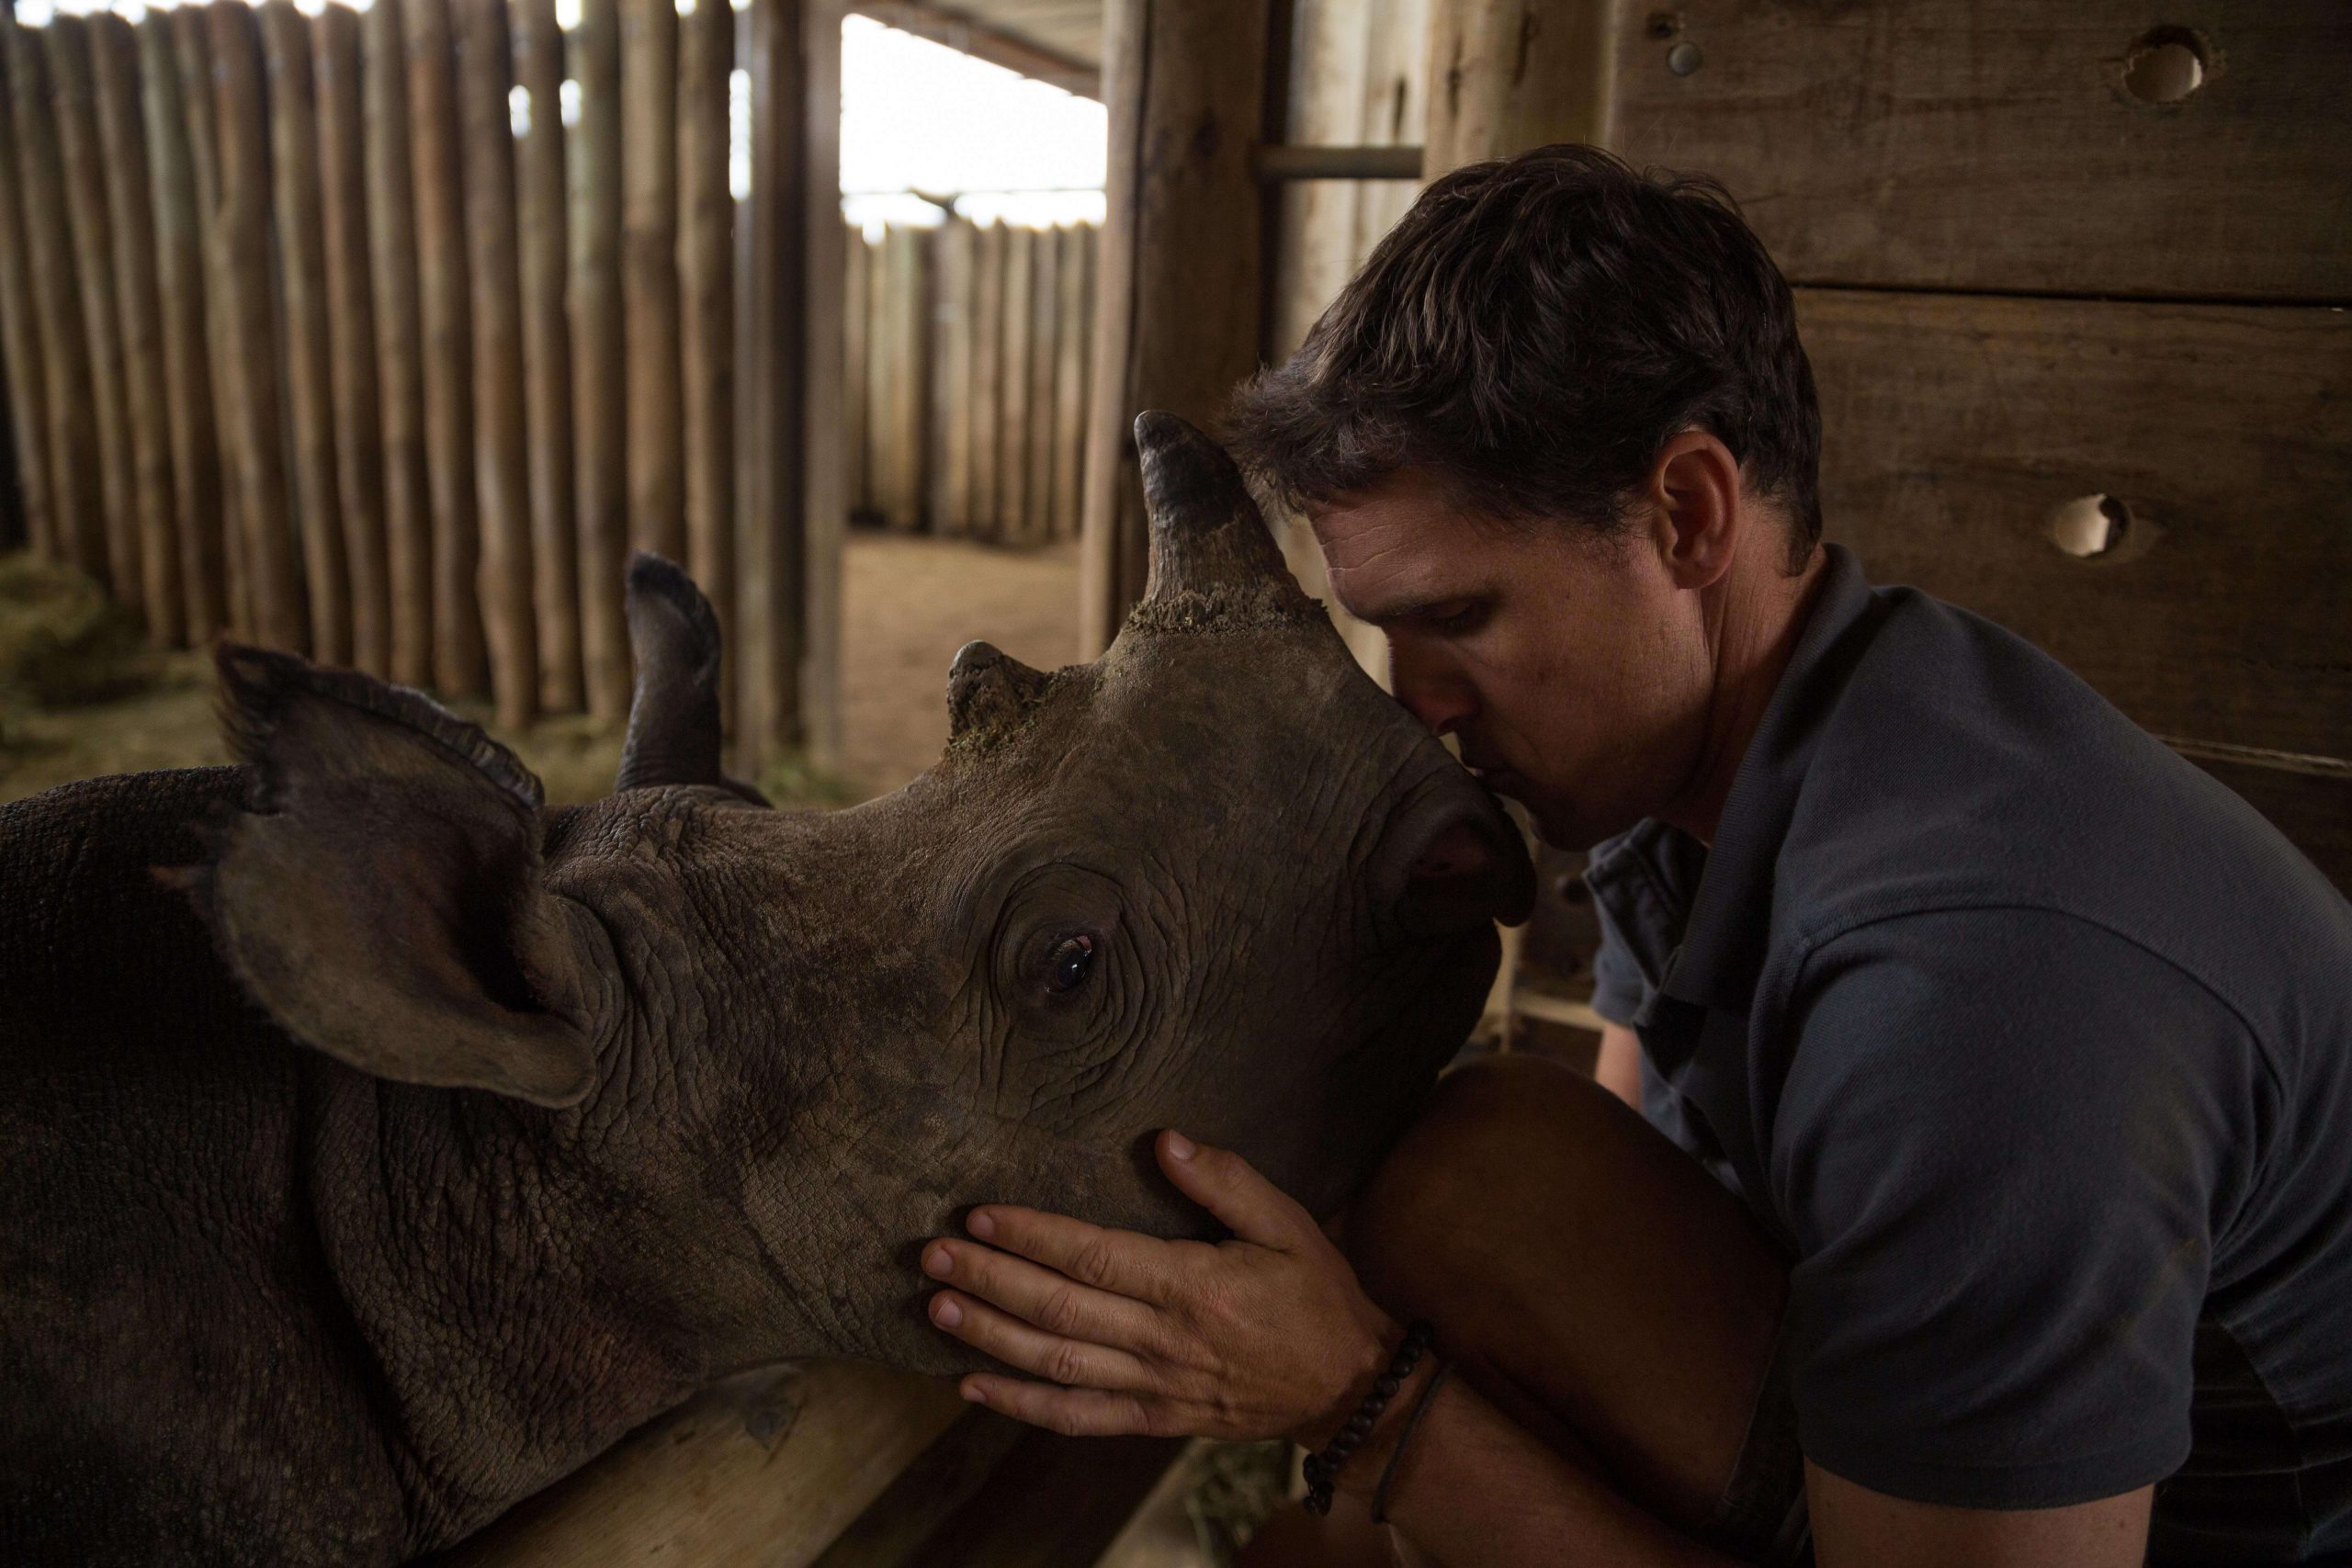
(379, 1145)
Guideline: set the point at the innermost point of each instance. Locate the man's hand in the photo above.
(1266, 1334)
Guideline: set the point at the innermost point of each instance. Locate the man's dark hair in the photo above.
(1535, 330)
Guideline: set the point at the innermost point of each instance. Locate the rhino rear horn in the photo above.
(1206, 533)
(988, 691)
(674, 730)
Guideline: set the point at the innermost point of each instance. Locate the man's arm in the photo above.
(1618, 1068)
(1852, 1525)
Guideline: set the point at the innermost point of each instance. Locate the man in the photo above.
(2004, 1209)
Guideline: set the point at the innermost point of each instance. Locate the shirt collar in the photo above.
(1729, 930)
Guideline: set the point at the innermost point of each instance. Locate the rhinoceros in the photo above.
(378, 1144)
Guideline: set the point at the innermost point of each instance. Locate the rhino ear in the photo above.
(381, 895)
(988, 691)
(675, 729)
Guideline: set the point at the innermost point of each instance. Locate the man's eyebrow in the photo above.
(1413, 608)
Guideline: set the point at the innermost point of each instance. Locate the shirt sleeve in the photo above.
(2005, 1143)
(1618, 988)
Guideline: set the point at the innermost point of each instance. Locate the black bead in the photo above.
(1388, 1386)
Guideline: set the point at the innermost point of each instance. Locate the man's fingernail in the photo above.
(945, 1312)
(1179, 1145)
(938, 1262)
(981, 1224)
(976, 1393)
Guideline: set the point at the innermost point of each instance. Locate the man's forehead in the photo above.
(1394, 544)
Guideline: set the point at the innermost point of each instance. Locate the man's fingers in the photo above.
(1073, 1412)
(1044, 1297)
(1073, 1362)
(1221, 1181)
(1123, 1262)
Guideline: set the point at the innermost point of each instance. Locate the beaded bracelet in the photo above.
(1322, 1469)
(1404, 1435)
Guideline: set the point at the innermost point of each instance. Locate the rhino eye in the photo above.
(1071, 963)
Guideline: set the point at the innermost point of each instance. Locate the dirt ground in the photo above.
(907, 604)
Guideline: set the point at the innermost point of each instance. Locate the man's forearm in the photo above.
(1473, 1488)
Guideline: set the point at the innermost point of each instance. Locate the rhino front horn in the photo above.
(988, 691)
(1206, 533)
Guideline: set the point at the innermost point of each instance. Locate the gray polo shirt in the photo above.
(2031, 1046)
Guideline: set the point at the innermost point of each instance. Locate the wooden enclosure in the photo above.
(969, 348)
(361, 336)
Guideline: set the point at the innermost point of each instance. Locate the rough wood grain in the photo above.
(766, 1470)
(599, 361)
(547, 355)
(987, 380)
(1044, 360)
(192, 53)
(309, 353)
(1330, 53)
(1930, 144)
(501, 471)
(1396, 88)
(706, 290)
(1955, 426)
(335, 74)
(272, 556)
(1506, 76)
(444, 310)
(68, 42)
(857, 367)
(650, 274)
(187, 358)
(130, 221)
(20, 350)
(949, 459)
(393, 276)
(1176, 320)
(1074, 306)
(1014, 517)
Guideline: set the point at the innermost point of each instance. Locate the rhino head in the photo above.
(1215, 880)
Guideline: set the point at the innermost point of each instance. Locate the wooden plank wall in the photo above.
(968, 351)
(309, 339)
(2069, 282)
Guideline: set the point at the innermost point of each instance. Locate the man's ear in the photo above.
(381, 895)
(1701, 505)
(674, 730)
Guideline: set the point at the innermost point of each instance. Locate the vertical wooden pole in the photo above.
(790, 441)
(816, 719)
(273, 563)
(857, 363)
(881, 456)
(68, 41)
(902, 257)
(336, 74)
(650, 272)
(1506, 76)
(1044, 349)
(1012, 387)
(71, 437)
(949, 458)
(392, 268)
(707, 284)
(987, 379)
(192, 53)
(28, 389)
(502, 478)
(188, 361)
(1176, 322)
(547, 356)
(1396, 100)
(1331, 52)
(130, 221)
(446, 310)
(1069, 377)
(599, 377)
(309, 357)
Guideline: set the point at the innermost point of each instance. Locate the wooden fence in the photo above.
(968, 351)
(328, 332)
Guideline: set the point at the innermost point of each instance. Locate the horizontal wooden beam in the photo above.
(1339, 163)
(969, 35)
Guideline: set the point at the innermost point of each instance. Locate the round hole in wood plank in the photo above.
(1683, 59)
(2090, 525)
(2164, 66)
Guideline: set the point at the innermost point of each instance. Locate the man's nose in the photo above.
(1435, 694)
